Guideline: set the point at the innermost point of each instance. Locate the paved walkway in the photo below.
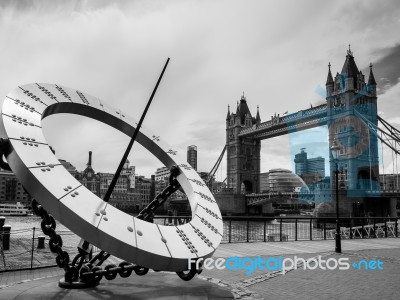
(261, 284)
(314, 284)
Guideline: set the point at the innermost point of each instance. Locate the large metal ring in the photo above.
(40, 172)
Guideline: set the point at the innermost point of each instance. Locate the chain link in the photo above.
(148, 212)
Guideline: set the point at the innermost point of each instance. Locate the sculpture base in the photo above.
(76, 284)
(160, 285)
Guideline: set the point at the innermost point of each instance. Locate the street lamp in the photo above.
(335, 153)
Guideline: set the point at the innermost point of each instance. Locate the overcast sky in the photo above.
(277, 52)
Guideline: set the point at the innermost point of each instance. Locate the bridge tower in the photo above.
(243, 154)
(351, 101)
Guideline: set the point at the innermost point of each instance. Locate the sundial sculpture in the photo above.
(143, 244)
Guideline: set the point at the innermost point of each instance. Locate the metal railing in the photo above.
(268, 229)
(28, 248)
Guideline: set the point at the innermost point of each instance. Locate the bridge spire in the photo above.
(329, 80)
(258, 119)
(228, 116)
(349, 52)
(371, 79)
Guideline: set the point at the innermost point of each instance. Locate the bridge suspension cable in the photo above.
(215, 168)
(394, 131)
(390, 136)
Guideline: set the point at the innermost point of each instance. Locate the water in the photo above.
(28, 222)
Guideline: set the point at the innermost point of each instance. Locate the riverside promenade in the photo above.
(353, 283)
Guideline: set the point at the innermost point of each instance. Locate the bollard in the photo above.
(6, 237)
(40, 244)
(2, 221)
(170, 216)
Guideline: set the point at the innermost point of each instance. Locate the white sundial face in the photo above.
(36, 167)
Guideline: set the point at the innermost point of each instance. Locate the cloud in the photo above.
(388, 103)
(277, 53)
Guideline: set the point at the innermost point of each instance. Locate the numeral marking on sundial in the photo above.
(44, 167)
(156, 138)
(83, 98)
(64, 93)
(27, 143)
(22, 121)
(202, 236)
(205, 197)
(185, 166)
(172, 152)
(42, 164)
(47, 92)
(186, 240)
(33, 96)
(23, 104)
(210, 212)
(198, 182)
(205, 222)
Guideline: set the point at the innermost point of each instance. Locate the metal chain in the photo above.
(92, 271)
(148, 212)
(48, 226)
(78, 268)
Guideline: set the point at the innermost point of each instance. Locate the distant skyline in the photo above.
(276, 52)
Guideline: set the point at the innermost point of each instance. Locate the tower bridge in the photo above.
(350, 113)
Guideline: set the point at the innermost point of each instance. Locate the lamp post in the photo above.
(335, 153)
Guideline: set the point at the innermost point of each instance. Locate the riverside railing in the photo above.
(268, 229)
(28, 248)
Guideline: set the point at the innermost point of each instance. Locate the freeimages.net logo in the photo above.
(251, 264)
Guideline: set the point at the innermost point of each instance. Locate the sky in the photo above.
(275, 52)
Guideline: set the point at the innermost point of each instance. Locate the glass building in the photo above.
(283, 180)
(300, 160)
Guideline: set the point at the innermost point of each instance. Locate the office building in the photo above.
(192, 156)
(311, 170)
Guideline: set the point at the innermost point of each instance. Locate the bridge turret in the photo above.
(243, 154)
(358, 155)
